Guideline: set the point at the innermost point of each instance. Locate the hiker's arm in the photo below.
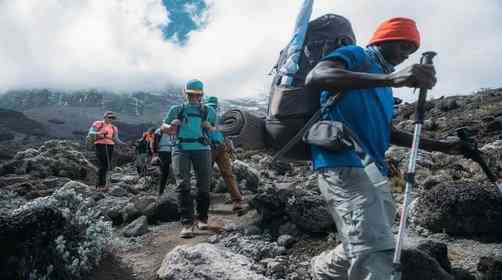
(117, 140)
(171, 115)
(404, 139)
(333, 75)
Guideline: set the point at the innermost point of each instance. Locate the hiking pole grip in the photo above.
(427, 58)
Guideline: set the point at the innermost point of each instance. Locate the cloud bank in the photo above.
(119, 44)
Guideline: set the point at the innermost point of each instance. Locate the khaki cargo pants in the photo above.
(360, 201)
(221, 155)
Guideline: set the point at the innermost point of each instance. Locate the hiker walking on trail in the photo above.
(104, 135)
(355, 185)
(161, 147)
(143, 151)
(191, 122)
(220, 153)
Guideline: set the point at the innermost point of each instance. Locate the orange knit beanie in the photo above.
(398, 28)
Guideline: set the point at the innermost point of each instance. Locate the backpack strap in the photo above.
(333, 99)
(299, 135)
(99, 125)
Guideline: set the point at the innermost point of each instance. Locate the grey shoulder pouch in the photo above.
(330, 135)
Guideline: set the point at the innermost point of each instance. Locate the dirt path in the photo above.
(142, 262)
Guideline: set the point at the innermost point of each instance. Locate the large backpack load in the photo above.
(291, 106)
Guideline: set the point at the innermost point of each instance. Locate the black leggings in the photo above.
(104, 155)
(165, 166)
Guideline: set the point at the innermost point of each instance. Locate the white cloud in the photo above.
(116, 44)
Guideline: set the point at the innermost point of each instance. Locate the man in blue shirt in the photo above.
(191, 122)
(357, 191)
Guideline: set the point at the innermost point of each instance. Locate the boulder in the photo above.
(130, 212)
(244, 171)
(438, 251)
(55, 158)
(286, 241)
(31, 187)
(461, 208)
(59, 235)
(255, 247)
(118, 191)
(418, 265)
(137, 227)
(167, 209)
(308, 211)
(206, 262)
(490, 268)
(111, 208)
(22, 251)
(269, 203)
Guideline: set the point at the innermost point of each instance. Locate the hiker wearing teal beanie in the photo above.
(190, 122)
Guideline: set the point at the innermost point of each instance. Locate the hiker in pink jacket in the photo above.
(106, 136)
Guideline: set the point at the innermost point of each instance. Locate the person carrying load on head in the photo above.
(220, 152)
(104, 135)
(162, 146)
(190, 122)
(143, 151)
(353, 181)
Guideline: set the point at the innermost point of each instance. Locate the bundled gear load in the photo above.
(291, 106)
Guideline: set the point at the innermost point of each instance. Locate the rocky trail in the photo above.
(129, 233)
(142, 259)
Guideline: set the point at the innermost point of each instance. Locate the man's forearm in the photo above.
(405, 139)
(337, 79)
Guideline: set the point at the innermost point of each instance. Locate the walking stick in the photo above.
(410, 175)
(108, 167)
(472, 152)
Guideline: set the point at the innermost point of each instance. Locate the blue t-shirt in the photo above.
(368, 112)
(191, 126)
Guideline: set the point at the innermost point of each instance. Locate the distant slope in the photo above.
(13, 121)
(69, 114)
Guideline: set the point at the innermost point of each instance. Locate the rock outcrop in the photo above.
(55, 158)
(206, 262)
(461, 208)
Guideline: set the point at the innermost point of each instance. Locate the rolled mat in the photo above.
(243, 128)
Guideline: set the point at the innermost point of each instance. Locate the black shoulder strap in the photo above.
(299, 135)
(204, 111)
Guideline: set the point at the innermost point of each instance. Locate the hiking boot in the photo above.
(187, 231)
(202, 225)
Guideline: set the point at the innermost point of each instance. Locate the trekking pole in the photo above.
(472, 152)
(108, 167)
(410, 175)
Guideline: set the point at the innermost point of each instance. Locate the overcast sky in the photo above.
(120, 44)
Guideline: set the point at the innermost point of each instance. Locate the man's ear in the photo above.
(345, 41)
